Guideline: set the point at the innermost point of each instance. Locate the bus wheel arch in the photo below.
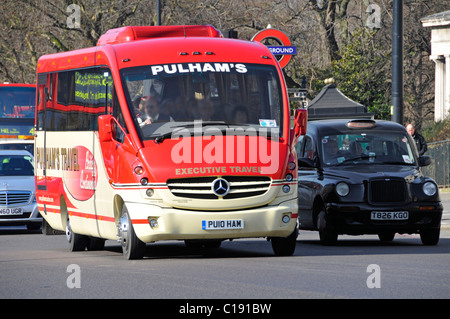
(118, 205)
(132, 246)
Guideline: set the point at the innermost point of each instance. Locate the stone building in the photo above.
(440, 54)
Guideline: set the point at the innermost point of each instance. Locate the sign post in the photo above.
(285, 50)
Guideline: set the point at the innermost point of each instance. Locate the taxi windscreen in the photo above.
(366, 148)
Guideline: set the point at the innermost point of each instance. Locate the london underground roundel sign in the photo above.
(284, 49)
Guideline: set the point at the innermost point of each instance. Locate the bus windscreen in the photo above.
(173, 96)
(17, 106)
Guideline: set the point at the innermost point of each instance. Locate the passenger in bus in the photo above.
(167, 105)
(240, 115)
(151, 112)
(206, 109)
(184, 109)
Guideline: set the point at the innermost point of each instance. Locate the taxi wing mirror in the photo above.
(300, 122)
(307, 162)
(424, 160)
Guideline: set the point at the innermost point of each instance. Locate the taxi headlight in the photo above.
(429, 188)
(342, 189)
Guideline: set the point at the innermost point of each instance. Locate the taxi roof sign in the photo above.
(357, 124)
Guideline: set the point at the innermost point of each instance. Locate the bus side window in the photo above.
(82, 95)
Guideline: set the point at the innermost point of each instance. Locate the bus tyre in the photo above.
(95, 244)
(76, 241)
(132, 246)
(285, 246)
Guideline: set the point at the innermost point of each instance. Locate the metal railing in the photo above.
(439, 170)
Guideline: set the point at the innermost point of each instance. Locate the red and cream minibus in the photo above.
(166, 133)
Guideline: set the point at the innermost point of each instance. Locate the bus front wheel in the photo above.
(132, 246)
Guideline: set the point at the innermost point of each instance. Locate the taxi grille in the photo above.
(387, 190)
(201, 187)
(8, 198)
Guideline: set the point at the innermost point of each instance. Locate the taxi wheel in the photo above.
(132, 246)
(285, 246)
(327, 235)
(76, 241)
(430, 237)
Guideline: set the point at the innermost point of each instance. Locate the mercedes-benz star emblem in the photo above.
(220, 187)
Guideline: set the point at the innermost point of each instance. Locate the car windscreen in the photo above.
(18, 146)
(170, 97)
(16, 165)
(370, 147)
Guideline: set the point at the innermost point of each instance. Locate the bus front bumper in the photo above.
(153, 223)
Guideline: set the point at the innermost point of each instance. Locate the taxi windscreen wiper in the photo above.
(356, 158)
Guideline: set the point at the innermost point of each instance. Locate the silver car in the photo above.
(17, 190)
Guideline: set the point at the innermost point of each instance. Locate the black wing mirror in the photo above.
(307, 162)
(424, 160)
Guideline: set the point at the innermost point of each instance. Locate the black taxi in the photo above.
(364, 177)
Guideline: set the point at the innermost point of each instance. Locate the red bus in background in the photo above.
(17, 111)
(166, 133)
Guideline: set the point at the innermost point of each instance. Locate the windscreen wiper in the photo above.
(356, 158)
(225, 129)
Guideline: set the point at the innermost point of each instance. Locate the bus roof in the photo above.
(134, 33)
(154, 48)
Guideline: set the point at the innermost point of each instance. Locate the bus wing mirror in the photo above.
(300, 122)
(105, 129)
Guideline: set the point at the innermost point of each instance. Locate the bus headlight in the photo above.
(429, 188)
(138, 170)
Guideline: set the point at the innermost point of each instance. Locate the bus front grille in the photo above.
(202, 187)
